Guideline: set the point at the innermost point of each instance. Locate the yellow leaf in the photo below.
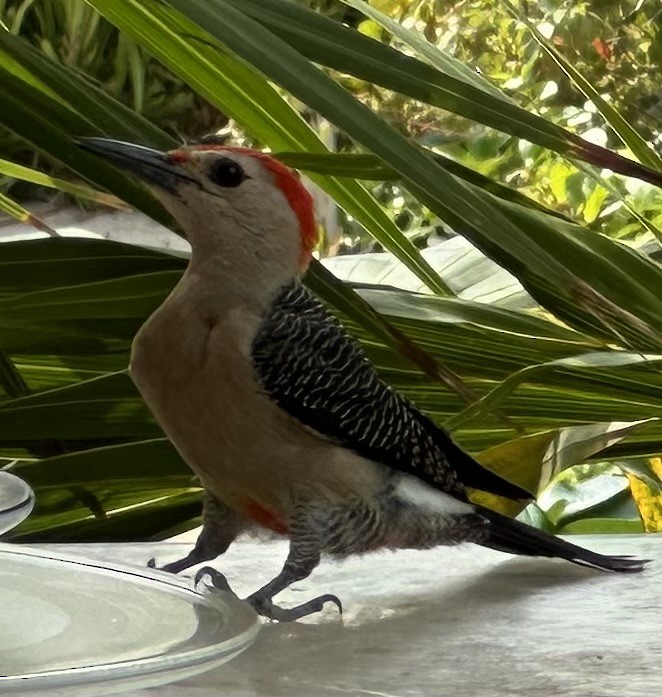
(371, 29)
(649, 502)
(388, 7)
(656, 465)
(496, 503)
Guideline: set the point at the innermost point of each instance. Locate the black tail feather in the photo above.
(508, 535)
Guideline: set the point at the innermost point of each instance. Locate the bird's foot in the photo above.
(264, 606)
(218, 580)
(174, 567)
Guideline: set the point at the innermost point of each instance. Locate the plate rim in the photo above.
(83, 676)
(26, 505)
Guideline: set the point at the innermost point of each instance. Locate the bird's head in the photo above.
(237, 206)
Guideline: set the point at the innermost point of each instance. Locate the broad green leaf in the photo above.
(470, 274)
(441, 311)
(588, 361)
(101, 408)
(139, 460)
(533, 515)
(482, 345)
(131, 513)
(134, 296)
(583, 489)
(35, 265)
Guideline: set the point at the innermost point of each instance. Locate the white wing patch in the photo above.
(417, 493)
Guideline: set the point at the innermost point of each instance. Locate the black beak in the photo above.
(152, 166)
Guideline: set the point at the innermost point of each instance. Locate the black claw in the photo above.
(265, 607)
(329, 598)
(174, 567)
(217, 579)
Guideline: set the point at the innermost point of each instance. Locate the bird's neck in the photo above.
(217, 282)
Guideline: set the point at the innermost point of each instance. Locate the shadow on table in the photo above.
(377, 652)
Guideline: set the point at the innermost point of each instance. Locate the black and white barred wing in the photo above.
(308, 364)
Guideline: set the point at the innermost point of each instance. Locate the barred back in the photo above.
(308, 364)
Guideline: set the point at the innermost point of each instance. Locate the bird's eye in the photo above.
(227, 173)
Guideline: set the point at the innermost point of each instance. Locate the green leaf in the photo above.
(584, 489)
(449, 87)
(102, 408)
(603, 526)
(15, 210)
(500, 229)
(242, 93)
(441, 60)
(131, 513)
(534, 461)
(533, 515)
(148, 459)
(482, 345)
(73, 91)
(53, 128)
(369, 167)
(35, 265)
(588, 361)
(10, 169)
(11, 380)
(134, 296)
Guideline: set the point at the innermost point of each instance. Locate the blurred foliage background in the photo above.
(553, 400)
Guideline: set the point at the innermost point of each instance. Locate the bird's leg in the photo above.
(301, 561)
(220, 527)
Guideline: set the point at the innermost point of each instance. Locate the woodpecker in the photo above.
(275, 407)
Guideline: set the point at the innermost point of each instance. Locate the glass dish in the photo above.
(16, 501)
(77, 627)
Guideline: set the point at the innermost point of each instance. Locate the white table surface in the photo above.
(457, 622)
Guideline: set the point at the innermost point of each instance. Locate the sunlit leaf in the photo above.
(648, 497)
(10, 169)
(534, 461)
(15, 210)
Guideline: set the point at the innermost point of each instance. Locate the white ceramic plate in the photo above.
(16, 501)
(72, 626)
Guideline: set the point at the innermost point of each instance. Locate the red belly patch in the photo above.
(265, 517)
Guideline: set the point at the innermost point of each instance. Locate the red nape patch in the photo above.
(179, 156)
(287, 180)
(263, 516)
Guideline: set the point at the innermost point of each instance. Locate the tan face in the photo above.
(229, 204)
(249, 220)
